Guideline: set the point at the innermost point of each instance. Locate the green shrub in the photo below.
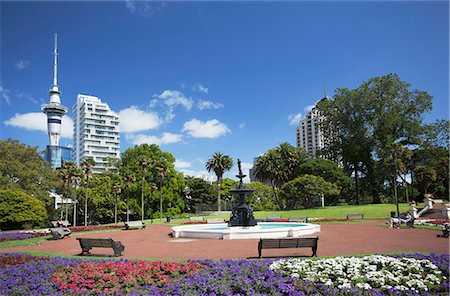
(19, 210)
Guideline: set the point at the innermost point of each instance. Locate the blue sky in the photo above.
(200, 77)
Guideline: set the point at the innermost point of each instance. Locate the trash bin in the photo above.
(168, 219)
(392, 214)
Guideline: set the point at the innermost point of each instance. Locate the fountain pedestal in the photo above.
(242, 214)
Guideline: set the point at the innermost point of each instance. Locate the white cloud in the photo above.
(133, 120)
(37, 121)
(4, 94)
(180, 164)
(294, 119)
(203, 174)
(205, 129)
(200, 88)
(22, 64)
(309, 108)
(144, 8)
(23, 95)
(242, 125)
(165, 138)
(202, 104)
(174, 97)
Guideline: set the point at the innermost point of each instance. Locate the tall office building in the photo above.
(95, 132)
(309, 136)
(54, 154)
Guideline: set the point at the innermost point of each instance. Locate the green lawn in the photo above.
(376, 211)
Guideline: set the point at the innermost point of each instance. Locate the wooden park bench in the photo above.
(298, 219)
(355, 215)
(87, 244)
(65, 223)
(273, 217)
(196, 219)
(282, 243)
(215, 220)
(60, 232)
(133, 224)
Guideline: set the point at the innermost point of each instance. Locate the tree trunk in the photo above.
(219, 180)
(355, 166)
(86, 202)
(115, 211)
(128, 210)
(160, 198)
(142, 200)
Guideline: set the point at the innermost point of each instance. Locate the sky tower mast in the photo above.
(54, 110)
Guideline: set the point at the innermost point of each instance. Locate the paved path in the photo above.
(334, 239)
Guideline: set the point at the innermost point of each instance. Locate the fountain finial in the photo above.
(240, 175)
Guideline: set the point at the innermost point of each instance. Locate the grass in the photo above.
(372, 211)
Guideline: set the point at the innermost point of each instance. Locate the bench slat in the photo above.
(302, 242)
(87, 244)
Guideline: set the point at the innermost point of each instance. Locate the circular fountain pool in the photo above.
(262, 230)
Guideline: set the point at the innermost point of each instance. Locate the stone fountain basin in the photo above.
(262, 230)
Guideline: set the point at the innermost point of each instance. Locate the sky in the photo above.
(207, 76)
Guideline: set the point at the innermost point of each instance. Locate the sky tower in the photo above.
(54, 154)
(54, 110)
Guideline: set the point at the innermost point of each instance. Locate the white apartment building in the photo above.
(96, 132)
(309, 136)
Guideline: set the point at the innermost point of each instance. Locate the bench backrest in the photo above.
(134, 223)
(215, 220)
(288, 242)
(196, 218)
(273, 217)
(355, 215)
(96, 242)
(298, 219)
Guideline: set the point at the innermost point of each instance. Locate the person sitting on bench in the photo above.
(395, 222)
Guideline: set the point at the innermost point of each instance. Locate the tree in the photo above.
(20, 210)
(219, 163)
(129, 179)
(262, 197)
(117, 189)
(278, 166)
(163, 170)
(198, 191)
(22, 168)
(173, 186)
(329, 171)
(144, 163)
(86, 166)
(304, 190)
(425, 176)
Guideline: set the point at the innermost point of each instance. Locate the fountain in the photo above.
(242, 214)
(242, 224)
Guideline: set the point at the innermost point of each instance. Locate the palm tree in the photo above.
(117, 189)
(86, 166)
(144, 163)
(219, 163)
(163, 170)
(64, 175)
(76, 179)
(128, 178)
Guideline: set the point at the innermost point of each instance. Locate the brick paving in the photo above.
(368, 237)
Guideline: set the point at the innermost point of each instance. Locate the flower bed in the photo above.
(12, 236)
(92, 228)
(28, 275)
(370, 272)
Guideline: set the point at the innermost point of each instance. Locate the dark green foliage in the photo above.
(219, 163)
(22, 168)
(160, 168)
(262, 199)
(278, 166)
(19, 210)
(306, 191)
(198, 191)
